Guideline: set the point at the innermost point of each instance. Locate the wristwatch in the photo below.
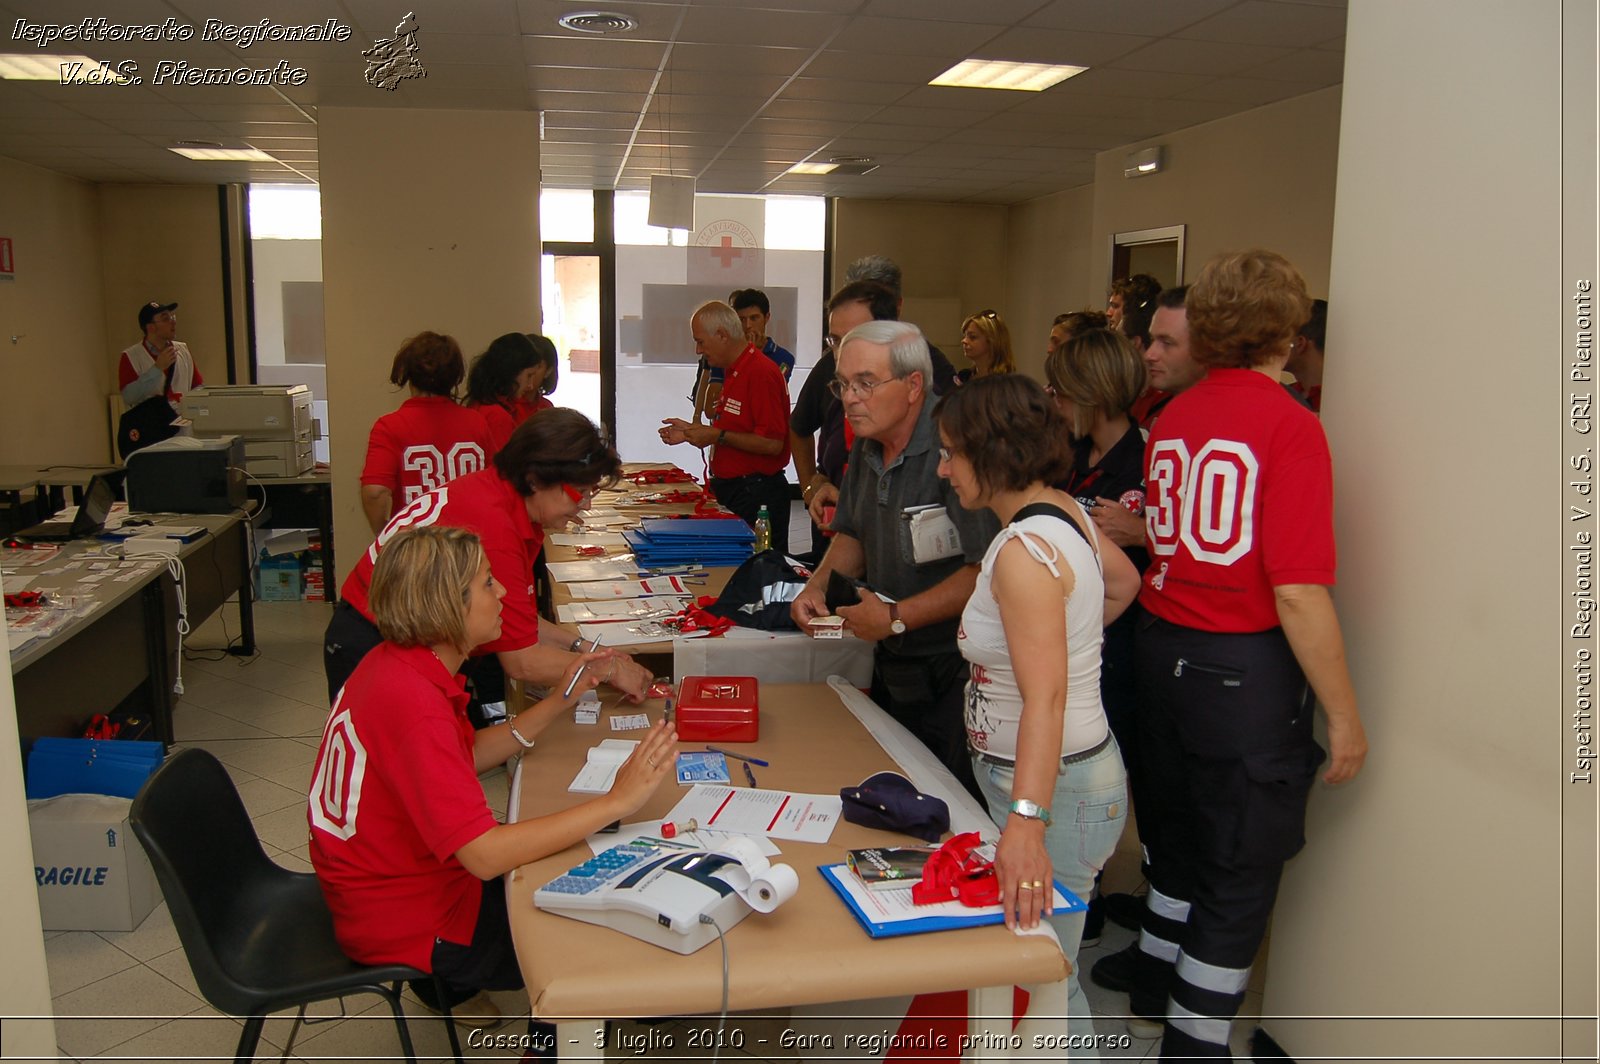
(1031, 811)
(896, 625)
(722, 435)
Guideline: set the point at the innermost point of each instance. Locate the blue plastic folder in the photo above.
(868, 905)
(117, 767)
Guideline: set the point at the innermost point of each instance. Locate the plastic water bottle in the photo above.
(763, 530)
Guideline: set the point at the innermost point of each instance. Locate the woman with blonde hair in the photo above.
(986, 341)
(405, 846)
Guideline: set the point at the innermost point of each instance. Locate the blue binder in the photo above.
(836, 874)
(117, 767)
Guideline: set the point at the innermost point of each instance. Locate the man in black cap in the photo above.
(159, 364)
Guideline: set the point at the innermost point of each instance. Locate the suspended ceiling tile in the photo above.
(1154, 18)
(1277, 24)
(1175, 55)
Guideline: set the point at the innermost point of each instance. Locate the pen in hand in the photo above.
(573, 683)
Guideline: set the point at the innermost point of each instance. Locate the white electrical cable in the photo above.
(175, 569)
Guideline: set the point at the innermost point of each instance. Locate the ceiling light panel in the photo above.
(61, 69)
(1000, 74)
(218, 155)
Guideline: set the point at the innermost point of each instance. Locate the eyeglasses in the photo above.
(831, 343)
(945, 454)
(864, 388)
(578, 494)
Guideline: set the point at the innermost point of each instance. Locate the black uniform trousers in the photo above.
(746, 496)
(928, 694)
(1228, 762)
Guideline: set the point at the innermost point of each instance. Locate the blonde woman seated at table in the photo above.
(404, 844)
(1041, 749)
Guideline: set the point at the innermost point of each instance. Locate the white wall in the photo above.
(1432, 884)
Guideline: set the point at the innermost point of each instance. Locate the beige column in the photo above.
(429, 221)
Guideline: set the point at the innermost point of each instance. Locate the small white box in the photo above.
(91, 871)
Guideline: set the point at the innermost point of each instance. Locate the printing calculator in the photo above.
(654, 893)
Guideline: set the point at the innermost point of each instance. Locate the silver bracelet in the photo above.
(527, 744)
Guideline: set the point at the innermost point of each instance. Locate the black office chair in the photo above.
(259, 938)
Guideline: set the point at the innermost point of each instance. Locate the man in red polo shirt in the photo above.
(750, 426)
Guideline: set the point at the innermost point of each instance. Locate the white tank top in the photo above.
(994, 702)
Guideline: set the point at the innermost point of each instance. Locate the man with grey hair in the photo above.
(750, 423)
(918, 675)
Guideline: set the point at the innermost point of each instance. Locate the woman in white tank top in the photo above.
(1042, 752)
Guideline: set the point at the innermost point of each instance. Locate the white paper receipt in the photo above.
(629, 721)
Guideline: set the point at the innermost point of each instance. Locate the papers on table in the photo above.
(596, 519)
(618, 568)
(750, 811)
(690, 840)
(629, 634)
(587, 539)
(611, 611)
(600, 770)
(625, 589)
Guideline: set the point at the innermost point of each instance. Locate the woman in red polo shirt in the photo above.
(430, 440)
(404, 844)
(511, 380)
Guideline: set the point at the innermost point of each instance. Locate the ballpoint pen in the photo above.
(750, 775)
(737, 757)
(572, 683)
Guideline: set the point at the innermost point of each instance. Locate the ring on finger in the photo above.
(1036, 884)
(1024, 886)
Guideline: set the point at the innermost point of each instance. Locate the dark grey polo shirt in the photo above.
(871, 502)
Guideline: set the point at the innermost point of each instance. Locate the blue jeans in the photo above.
(1088, 812)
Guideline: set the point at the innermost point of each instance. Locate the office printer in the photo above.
(273, 420)
(185, 475)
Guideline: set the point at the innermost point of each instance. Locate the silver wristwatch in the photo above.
(1031, 811)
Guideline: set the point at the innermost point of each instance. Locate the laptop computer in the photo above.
(90, 520)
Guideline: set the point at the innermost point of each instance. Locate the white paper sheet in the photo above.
(751, 811)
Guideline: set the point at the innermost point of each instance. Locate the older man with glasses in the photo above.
(889, 490)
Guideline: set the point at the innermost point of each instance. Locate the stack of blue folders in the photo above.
(709, 541)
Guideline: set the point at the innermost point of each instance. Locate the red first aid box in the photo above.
(719, 709)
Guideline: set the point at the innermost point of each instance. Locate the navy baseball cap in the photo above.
(891, 802)
(148, 312)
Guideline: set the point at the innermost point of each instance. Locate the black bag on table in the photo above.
(759, 592)
(149, 422)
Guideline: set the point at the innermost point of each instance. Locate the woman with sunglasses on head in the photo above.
(405, 847)
(1041, 748)
(511, 380)
(542, 478)
(431, 439)
(986, 341)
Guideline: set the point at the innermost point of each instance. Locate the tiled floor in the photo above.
(130, 995)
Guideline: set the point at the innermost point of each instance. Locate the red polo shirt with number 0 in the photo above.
(755, 398)
(393, 797)
(487, 504)
(1238, 501)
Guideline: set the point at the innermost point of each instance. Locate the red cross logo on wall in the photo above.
(726, 252)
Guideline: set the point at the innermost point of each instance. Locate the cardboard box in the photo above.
(280, 579)
(91, 871)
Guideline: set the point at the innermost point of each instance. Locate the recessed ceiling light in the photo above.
(220, 155)
(1002, 74)
(597, 22)
(813, 168)
(61, 69)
